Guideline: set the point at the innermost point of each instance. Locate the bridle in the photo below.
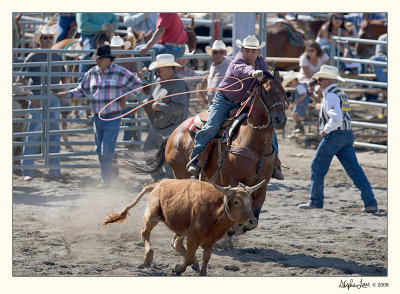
(261, 93)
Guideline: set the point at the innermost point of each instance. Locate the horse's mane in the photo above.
(268, 74)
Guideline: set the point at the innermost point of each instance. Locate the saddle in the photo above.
(226, 132)
(296, 37)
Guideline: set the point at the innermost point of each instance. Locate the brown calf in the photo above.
(195, 210)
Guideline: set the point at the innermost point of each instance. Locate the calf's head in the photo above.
(238, 203)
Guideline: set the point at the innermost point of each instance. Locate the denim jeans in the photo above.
(381, 76)
(88, 42)
(219, 112)
(35, 127)
(128, 134)
(63, 25)
(163, 49)
(105, 136)
(339, 143)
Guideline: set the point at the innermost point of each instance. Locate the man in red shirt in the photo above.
(169, 37)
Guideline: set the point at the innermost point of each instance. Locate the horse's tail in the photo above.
(148, 163)
(122, 216)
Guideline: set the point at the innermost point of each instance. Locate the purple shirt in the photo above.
(239, 68)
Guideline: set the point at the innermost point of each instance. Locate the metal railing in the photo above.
(46, 95)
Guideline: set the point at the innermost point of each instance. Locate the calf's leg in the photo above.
(206, 258)
(150, 221)
(177, 244)
(192, 245)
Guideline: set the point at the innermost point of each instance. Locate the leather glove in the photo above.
(258, 74)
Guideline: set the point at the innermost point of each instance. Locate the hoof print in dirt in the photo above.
(232, 268)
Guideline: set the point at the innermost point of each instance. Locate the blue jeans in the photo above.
(105, 136)
(88, 42)
(35, 127)
(163, 49)
(381, 76)
(219, 112)
(339, 143)
(63, 25)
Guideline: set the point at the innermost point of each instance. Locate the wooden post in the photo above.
(243, 25)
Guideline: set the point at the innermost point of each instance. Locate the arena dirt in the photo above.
(57, 226)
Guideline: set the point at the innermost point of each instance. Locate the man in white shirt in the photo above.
(220, 64)
(335, 128)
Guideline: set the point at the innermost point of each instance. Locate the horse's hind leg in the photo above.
(150, 221)
(177, 244)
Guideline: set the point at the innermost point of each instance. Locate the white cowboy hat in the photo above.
(290, 76)
(117, 41)
(219, 45)
(19, 90)
(46, 30)
(163, 60)
(329, 72)
(250, 42)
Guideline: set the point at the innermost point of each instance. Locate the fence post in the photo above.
(243, 25)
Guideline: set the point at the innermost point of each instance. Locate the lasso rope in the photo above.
(187, 92)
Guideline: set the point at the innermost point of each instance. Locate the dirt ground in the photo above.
(57, 226)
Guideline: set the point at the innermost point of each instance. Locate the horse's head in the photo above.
(273, 97)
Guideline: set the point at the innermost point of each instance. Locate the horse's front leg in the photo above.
(258, 200)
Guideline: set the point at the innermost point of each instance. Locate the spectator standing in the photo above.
(169, 37)
(381, 55)
(46, 38)
(94, 28)
(103, 83)
(65, 23)
(117, 43)
(300, 104)
(168, 113)
(186, 72)
(335, 128)
(218, 67)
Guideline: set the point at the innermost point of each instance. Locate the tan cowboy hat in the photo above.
(290, 76)
(219, 45)
(163, 60)
(328, 72)
(250, 42)
(117, 41)
(19, 90)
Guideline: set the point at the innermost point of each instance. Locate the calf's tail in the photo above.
(121, 216)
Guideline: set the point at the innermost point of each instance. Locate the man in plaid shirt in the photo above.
(103, 83)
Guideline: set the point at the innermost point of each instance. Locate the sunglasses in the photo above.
(321, 79)
(218, 52)
(338, 18)
(311, 50)
(47, 38)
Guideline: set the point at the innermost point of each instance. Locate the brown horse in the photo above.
(284, 41)
(248, 157)
(369, 29)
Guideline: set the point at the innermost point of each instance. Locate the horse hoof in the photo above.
(196, 267)
(148, 258)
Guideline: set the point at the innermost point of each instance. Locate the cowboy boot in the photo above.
(277, 173)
